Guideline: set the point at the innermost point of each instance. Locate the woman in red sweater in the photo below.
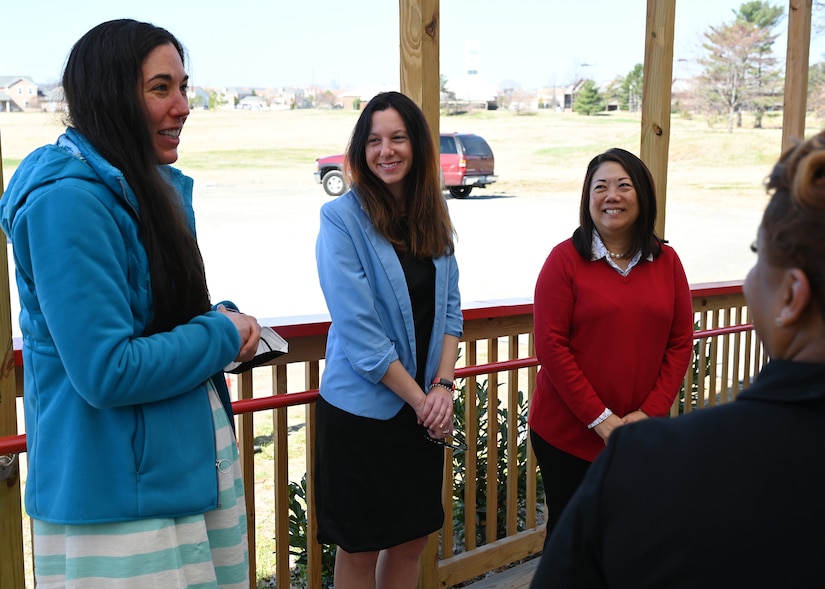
(613, 326)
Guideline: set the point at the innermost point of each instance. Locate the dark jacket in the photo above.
(731, 496)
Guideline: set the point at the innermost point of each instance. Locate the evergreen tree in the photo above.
(766, 74)
(588, 99)
(631, 96)
(731, 65)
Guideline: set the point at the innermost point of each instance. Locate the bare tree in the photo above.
(816, 89)
(818, 17)
(731, 65)
(766, 73)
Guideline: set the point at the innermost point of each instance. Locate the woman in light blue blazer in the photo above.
(390, 279)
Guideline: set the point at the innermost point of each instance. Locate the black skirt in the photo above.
(377, 482)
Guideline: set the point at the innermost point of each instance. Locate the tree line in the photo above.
(739, 72)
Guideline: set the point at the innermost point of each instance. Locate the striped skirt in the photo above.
(203, 551)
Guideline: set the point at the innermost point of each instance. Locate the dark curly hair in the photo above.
(793, 222)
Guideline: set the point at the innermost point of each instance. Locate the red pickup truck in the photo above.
(466, 161)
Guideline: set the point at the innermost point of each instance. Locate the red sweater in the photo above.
(606, 340)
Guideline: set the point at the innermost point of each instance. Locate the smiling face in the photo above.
(614, 205)
(163, 91)
(389, 152)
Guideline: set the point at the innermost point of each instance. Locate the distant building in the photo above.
(284, 98)
(472, 88)
(252, 102)
(18, 93)
(360, 96)
(54, 100)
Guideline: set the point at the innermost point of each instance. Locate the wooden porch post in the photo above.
(795, 101)
(656, 91)
(419, 26)
(11, 527)
(419, 22)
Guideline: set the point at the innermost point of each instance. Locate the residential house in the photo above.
(18, 93)
(358, 98)
(252, 102)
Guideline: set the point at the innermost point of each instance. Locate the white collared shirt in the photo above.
(599, 251)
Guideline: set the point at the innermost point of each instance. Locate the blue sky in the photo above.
(335, 43)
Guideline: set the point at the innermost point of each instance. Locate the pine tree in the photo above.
(588, 99)
(631, 96)
(740, 70)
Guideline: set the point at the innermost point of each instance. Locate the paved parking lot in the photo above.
(260, 250)
(258, 241)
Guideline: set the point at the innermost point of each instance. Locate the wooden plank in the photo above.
(491, 556)
(314, 550)
(246, 446)
(656, 95)
(11, 523)
(517, 577)
(280, 437)
(796, 72)
(419, 29)
(512, 440)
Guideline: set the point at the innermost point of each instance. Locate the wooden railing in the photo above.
(493, 518)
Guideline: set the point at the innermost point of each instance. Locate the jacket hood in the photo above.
(72, 156)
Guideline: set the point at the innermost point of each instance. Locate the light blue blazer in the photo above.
(372, 317)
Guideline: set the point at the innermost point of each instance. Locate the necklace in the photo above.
(615, 256)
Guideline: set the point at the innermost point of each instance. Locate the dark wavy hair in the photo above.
(101, 82)
(793, 221)
(644, 237)
(422, 226)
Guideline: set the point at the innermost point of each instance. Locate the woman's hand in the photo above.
(437, 412)
(605, 428)
(249, 330)
(634, 416)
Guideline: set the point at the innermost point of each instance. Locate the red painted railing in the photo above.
(498, 356)
(17, 444)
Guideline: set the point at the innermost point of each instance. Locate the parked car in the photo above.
(466, 161)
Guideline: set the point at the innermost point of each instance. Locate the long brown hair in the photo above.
(422, 226)
(793, 221)
(101, 81)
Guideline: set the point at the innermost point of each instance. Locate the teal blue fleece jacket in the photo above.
(372, 316)
(118, 425)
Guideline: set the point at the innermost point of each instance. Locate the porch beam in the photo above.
(795, 101)
(656, 96)
(419, 27)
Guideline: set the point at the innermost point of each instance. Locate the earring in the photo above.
(778, 321)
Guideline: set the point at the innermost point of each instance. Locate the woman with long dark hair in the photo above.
(133, 478)
(390, 279)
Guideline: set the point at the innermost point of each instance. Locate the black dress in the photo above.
(378, 482)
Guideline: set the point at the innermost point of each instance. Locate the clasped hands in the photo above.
(605, 428)
(436, 412)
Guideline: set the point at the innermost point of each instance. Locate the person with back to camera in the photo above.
(613, 324)
(390, 279)
(729, 496)
(133, 473)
